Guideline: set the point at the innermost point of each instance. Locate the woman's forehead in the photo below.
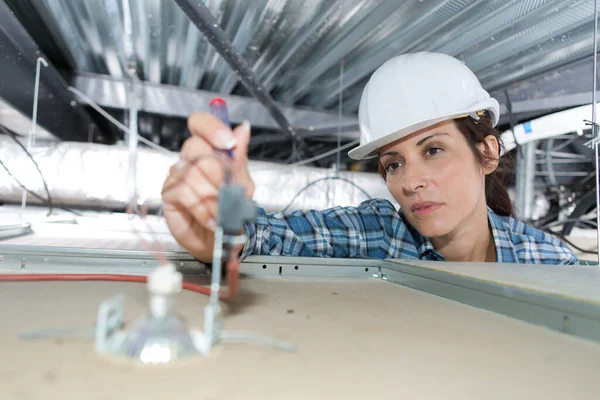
(411, 140)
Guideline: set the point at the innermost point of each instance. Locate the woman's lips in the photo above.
(424, 208)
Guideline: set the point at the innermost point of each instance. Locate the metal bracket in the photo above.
(109, 322)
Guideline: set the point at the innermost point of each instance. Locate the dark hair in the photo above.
(496, 195)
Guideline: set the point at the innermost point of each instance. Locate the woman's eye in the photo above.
(392, 166)
(433, 151)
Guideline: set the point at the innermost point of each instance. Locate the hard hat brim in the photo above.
(371, 150)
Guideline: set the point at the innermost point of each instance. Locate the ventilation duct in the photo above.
(89, 175)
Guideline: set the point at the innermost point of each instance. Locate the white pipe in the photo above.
(552, 125)
(94, 175)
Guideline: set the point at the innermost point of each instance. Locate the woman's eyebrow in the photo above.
(389, 153)
(420, 142)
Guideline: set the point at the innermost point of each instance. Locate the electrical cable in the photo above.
(583, 205)
(542, 221)
(232, 262)
(45, 201)
(569, 221)
(12, 136)
(563, 238)
(328, 153)
(117, 123)
(324, 179)
(34, 277)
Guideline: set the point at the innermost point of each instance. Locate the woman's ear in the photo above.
(490, 149)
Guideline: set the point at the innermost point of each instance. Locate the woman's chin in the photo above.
(431, 229)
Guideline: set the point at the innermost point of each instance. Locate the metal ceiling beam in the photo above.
(208, 25)
(530, 66)
(549, 103)
(418, 21)
(350, 36)
(18, 58)
(176, 101)
(345, 134)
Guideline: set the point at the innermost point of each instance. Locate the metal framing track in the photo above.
(552, 310)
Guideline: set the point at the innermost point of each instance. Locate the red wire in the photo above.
(232, 271)
(232, 280)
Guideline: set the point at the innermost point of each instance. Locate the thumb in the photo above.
(242, 136)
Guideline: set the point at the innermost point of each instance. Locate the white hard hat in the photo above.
(414, 91)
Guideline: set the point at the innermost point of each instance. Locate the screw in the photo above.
(181, 264)
(45, 259)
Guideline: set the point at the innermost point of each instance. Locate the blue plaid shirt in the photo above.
(375, 229)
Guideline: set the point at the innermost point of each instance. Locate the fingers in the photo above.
(188, 232)
(193, 183)
(211, 129)
(200, 203)
(199, 157)
(242, 136)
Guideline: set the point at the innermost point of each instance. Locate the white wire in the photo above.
(117, 123)
(160, 148)
(330, 152)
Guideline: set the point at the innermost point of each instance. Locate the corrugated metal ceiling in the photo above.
(308, 51)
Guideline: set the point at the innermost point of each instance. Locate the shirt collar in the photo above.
(505, 251)
(423, 245)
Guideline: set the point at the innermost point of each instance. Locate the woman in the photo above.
(427, 119)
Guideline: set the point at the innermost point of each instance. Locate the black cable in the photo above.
(323, 179)
(584, 204)
(542, 221)
(23, 186)
(563, 238)
(12, 136)
(47, 201)
(569, 221)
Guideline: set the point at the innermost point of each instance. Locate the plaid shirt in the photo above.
(375, 229)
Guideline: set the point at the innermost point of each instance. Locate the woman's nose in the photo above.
(414, 178)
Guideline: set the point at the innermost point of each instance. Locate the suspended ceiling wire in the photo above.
(166, 151)
(340, 97)
(513, 122)
(595, 125)
(326, 154)
(117, 123)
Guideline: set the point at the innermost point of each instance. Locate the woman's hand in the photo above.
(190, 191)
